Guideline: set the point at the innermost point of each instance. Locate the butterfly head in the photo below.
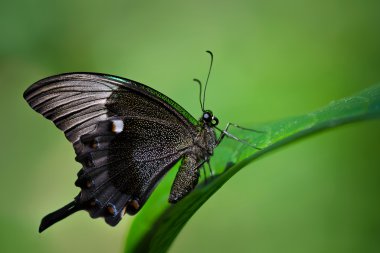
(209, 119)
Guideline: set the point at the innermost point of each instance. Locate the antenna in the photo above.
(202, 101)
(208, 76)
(200, 92)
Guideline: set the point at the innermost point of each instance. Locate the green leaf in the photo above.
(158, 224)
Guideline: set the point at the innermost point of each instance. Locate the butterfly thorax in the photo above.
(205, 142)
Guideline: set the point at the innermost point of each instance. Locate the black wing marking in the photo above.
(125, 137)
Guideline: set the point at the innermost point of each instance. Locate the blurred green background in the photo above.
(273, 59)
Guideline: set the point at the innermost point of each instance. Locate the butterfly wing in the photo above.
(125, 134)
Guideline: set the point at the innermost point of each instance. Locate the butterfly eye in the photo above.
(207, 116)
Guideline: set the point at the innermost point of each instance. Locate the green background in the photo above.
(273, 59)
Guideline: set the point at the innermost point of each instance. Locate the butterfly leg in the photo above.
(204, 172)
(225, 133)
(243, 128)
(186, 178)
(210, 169)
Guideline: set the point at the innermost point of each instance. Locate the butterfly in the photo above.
(126, 136)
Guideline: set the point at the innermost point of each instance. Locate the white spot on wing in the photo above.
(117, 126)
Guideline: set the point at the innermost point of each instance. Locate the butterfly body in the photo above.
(126, 136)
